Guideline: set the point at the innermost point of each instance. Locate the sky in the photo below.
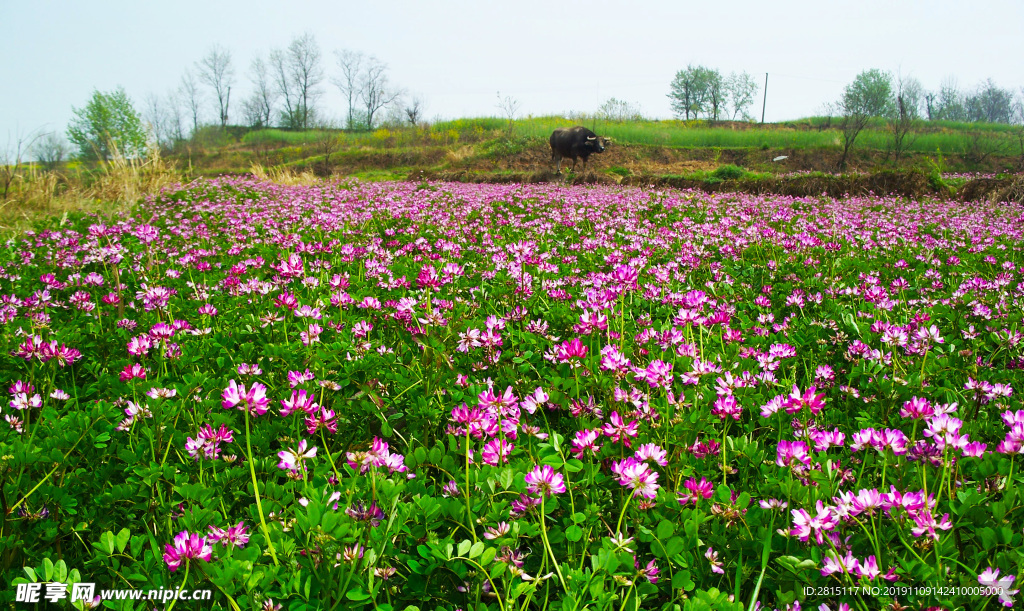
(553, 58)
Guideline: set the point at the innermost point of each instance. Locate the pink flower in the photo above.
(544, 480)
(186, 547)
(637, 476)
(716, 564)
(496, 452)
(586, 441)
(300, 400)
(925, 524)
(805, 525)
(291, 459)
(650, 571)
(796, 402)
(725, 407)
(990, 578)
(617, 429)
(697, 490)
(133, 371)
(658, 374)
(571, 351)
(835, 564)
(254, 399)
(791, 452)
(651, 451)
(233, 536)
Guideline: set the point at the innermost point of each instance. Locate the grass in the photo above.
(951, 138)
(37, 195)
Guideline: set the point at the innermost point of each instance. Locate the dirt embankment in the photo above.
(666, 167)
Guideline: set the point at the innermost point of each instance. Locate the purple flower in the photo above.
(186, 547)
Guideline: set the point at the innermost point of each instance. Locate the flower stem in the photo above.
(547, 546)
(256, 490)
(174, 601)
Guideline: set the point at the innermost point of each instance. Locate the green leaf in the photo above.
(106, 543)
(464, 547)
(681, 580)
(122, 539)
(497, 569)
(574, 533)
(488, 556)
(357, 594)
(674, 546)
(476, 549)
(665, 529)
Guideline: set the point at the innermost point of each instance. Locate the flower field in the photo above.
(398, 395)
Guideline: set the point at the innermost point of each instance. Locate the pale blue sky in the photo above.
(554, 57)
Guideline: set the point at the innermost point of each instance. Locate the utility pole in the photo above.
(765, 102)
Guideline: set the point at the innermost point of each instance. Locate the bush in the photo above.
(729, 172)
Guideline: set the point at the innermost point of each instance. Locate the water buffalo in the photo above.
(574, 142)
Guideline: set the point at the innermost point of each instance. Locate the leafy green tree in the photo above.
(107, 125)
(990, 104)
(697, 90)
(947, 104)
(869, 95)
(740, 90)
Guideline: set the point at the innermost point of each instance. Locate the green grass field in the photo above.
(947, 138)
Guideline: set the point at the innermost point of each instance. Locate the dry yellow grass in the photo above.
(114, 187)
(284, 176)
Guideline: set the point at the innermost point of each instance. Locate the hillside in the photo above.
(654, 148)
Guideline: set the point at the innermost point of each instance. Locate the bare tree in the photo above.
(12, 160)
(509, 107)
(298, 74)
(904, 116)
(279, 69)
(259, 107)
(192, 96)
(154, 114)
(326, 141)
(1018, 120)
(375, 90)
(618, 110)
(175, 120)
(216, 71)
(51, 150)
(413, 110)
(351, 64)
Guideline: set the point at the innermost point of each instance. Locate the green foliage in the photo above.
(502, 148)
(729, 172)
(108, 125)
(697, 91)
(870, 95)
